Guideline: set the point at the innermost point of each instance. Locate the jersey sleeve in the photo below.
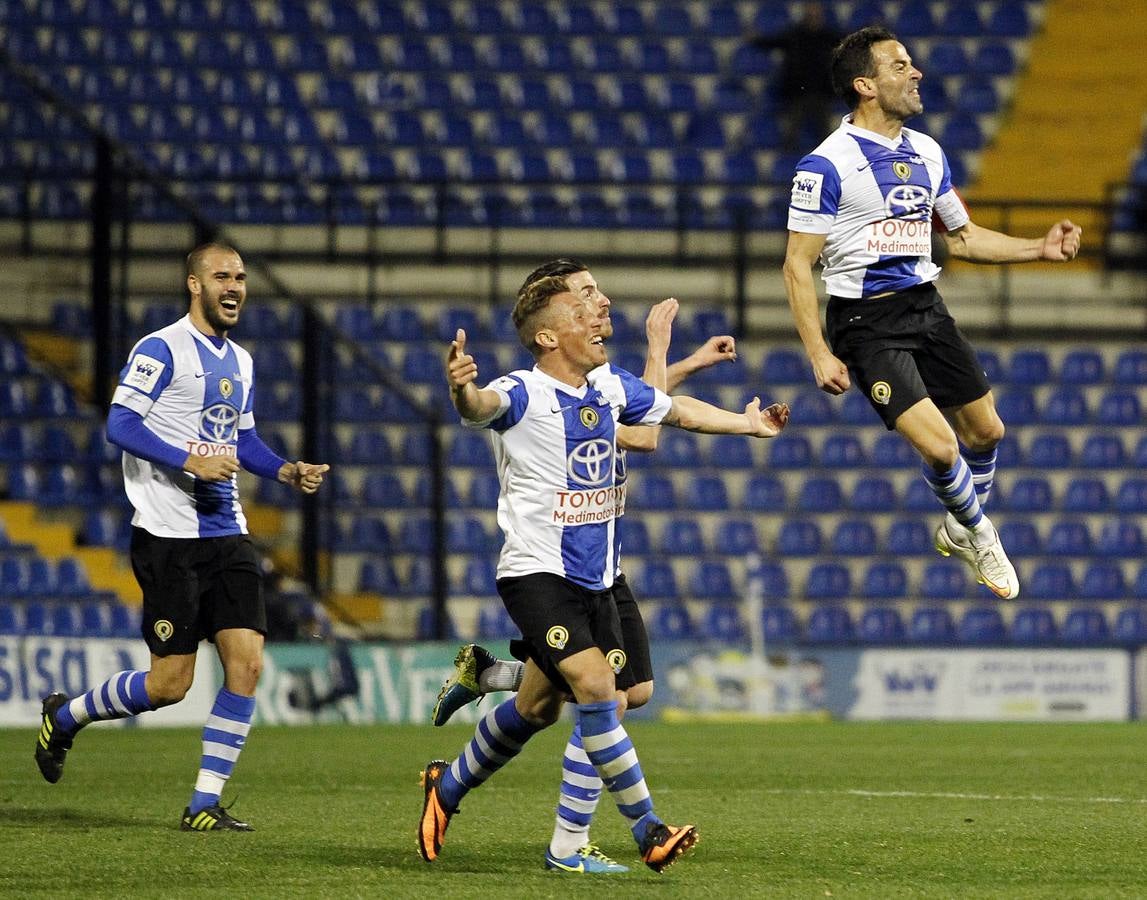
(948, 211)
(147, 373)
(513, 399)
(815, 196)
(644, 405)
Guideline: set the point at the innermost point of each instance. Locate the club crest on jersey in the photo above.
(589, 417)
(557, 637)
(616, 659)
(901, 170)
(882, 392)
(219, 422)
(591, 462)
(226, 388)
(163, 629)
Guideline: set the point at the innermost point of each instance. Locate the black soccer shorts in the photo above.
(195, 587)
(902, 348)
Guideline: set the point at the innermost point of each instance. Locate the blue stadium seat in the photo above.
(790, 451)
(1103, 451)
(828, 581)
(830, 624)
(767, 493)
(994, 57)
(992, 365)
(780, 625)
(377, 576)
(671, 622)
(881, 625)
(1050, 581)
(914, 19)
(893, 452)
(712, 580)
(1017, 407)
(962, 131)
(1050, 450)
(682, 537)
(1082, 366)
(13, 577)
(1131, 496)
(657, 581)
(1131, 367)
(918, 497)
(1031, 493)
(873, 494)
(820, 495)
(947, 58)
(678, 448)
(856, 410)
(470, 448)
(931, 625)
(1009, 19)
(723, 623)
(731, 451)
(72, 578)
(1085, 626)
(945, 580)
(1119, 407)
(1102, 580)
(799, 537)
(478, 577)
(1130, 626)
(1086, 495)
(1065, 406)
(885, 581)
(653, 492)
(11, 619)
(961, 20)
(1034, 626)
(1068, 538)
(368, 534)
(909, 537)
(484, 491)
(854, 537)
(981, 625)
(840, 451)
(771, 580)
(784, 366)
(1123, 538)
(736, 537)
(1020, 538)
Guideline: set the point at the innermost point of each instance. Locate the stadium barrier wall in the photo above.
(398, 683)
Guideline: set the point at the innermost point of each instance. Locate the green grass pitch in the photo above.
(784, 810)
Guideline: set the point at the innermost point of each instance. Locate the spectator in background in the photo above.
(804, 84)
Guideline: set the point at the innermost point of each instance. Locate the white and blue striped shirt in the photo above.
(196, 396)
(875, 198)
(556, 451)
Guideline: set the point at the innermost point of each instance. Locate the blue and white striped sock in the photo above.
(957, 492)
(577, 802)
(223, 738)
(498, 738)
(611, 751)
(983, 466)
(120, 696)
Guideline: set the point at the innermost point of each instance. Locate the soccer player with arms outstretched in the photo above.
(555, 443)
(183, 416)
(864, 203)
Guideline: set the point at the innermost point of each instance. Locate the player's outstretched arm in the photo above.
(982, 245)
(461, 374)
(305, 477)
(697, 415)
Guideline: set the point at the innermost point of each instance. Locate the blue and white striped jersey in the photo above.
(196, 396)
(875, 198)
(556, 452)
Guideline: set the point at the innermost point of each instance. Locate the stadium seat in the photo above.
(1034, 626)
(856, 410)
(368, 534)
(885, 581)
(815, 408)
(770, 580)
(766, 493)
(918, 497)
(1102, 580)
(72, 578)
(1050, 450)
(1020, 538)
(671, 622)
(820, 495)
(734, 537)
(478, 577)
(653, 492)
(657, 581)
(1085, 626)
(469, 448)
(873, 494)
(1029, 494)
(723, 623)
(1065, 406)
(840, 451)
(945, 580)
(1119, 407)
(707, 493)
(1130, 626)
(635, 540)
(1131, 367)
(799, 537)
(1082, 367)
(1131, 496)
(1017, 407)
(1123, 538)
(484, 490)
(1009, 19)
(1068, 538)
(1050, 581)
(854, 537)
(828, 581)
(909, 537)
(1103, 451)
(1086, 495)
(893, 452)
(789, 451)
(711, 580)
(731, 451)
(682, 537)
(994, 57)
(880, 625)
(829, 624)
(982, 625)
(377, 576)
(786, 367)
(780, 625)
(931, 625)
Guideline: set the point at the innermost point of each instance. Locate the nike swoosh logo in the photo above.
(558, 864)
(200, 374)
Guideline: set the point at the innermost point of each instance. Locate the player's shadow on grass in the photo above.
(75, 819)
(403, 856)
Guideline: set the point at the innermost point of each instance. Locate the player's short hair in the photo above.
(546, 281)
(852, 59)
(195, 257)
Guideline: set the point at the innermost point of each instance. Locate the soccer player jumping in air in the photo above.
(183, 415)
(864, 203)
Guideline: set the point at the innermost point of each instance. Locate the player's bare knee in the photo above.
(940, 454)
(986, 436)
(638, 695)
(167, 689)
(243, 677)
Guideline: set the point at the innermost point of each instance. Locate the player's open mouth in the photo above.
(597, 339)
(229, 303)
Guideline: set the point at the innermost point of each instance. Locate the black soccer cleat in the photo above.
(213, 818)
(52, 744)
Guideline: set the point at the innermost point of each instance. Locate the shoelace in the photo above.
(592, 851)
(993, 562)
